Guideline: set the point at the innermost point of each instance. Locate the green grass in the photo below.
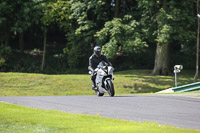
(16, 119)
(19, 119)
(126, 82)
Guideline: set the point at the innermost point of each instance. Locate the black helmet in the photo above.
(97, 51)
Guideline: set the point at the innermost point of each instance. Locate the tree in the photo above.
(5, 11)
(54, 12)
(117, 8)
(87, 17)
(16, 17)
(44, 48)
(197, 48)
(161, 65)
(120, 35)
(163, 23)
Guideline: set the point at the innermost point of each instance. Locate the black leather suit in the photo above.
(93, 63)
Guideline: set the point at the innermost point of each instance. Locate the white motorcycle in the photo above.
(104, 79)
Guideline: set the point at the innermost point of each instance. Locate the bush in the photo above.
(30, 62)
(5, 52)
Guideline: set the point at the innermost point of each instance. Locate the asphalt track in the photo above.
(178, 111)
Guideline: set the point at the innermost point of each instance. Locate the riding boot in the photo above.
(93, 85)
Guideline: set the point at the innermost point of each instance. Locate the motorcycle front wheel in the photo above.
(110, 87)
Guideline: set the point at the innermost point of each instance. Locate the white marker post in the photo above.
(198, 15)
(177, 69)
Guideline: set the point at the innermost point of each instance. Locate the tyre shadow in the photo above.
(123, 96)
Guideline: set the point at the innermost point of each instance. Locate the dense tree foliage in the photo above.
(134, 33)
(87, 17)
(16, 17)
(120, 35)
(54, 12)
(169, 23)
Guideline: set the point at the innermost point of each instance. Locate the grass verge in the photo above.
(126, 82)
(20, 119)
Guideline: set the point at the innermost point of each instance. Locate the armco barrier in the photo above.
(187, 87)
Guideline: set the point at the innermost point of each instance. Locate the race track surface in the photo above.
(178, 111)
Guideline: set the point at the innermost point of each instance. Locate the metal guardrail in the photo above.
(183, 88)
(187, 87)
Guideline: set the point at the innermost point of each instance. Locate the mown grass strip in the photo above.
(19, 119)
(126, 82)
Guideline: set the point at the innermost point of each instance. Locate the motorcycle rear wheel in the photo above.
(110, 87)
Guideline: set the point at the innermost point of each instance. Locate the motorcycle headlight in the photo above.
(110, 70)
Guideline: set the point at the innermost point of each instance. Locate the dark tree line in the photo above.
(132, 33)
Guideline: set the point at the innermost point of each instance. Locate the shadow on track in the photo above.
(123, 96)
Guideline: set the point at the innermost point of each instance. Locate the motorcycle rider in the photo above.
(94, 60)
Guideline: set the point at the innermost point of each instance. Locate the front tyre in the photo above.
(110, 87)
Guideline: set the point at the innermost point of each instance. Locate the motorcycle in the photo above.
(104, 79)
